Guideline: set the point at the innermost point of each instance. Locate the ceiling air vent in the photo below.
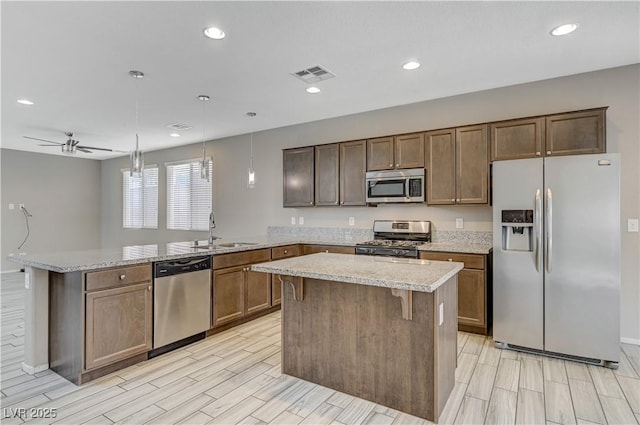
(314, 74)
(179, 127)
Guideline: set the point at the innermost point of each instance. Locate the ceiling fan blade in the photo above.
(51, 146)
(42, 140)
(99, 149)
(83, 150)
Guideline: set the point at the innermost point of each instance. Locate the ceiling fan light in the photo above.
(68, 149)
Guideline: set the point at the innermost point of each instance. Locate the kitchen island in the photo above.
(382, 329)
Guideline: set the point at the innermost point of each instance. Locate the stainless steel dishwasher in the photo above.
(181, 299)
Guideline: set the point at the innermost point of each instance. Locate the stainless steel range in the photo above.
(394, 238)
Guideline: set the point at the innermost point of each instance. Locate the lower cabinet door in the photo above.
(258, 291)
(228, 294)
(471, 297)
(118, 324)
(276, 290)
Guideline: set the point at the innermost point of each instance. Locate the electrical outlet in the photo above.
(12, 206)
(632, 225)
(301, 220)
(352, 221)
(459, 223)
(293, 221)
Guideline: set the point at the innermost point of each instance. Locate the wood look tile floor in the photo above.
(234, 378)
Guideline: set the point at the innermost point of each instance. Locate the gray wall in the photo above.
(243, 212)
(62, 194)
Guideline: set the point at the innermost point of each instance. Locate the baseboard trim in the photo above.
(630, 341)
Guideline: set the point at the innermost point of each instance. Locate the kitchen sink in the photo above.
(234, 244)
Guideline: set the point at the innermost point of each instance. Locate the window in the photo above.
(189, 199)
(140, 199)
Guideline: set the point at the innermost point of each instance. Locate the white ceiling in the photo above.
(72, 59)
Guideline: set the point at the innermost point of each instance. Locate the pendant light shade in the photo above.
(136, 160)
(251, 174)
(204, 163)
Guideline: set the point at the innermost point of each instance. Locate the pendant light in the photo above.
(136, 165)
(251, 176)
(204, 163)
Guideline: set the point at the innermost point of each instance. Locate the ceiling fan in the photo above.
(71, 146)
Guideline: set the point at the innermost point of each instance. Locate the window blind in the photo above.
(140, 199)
(189, 197)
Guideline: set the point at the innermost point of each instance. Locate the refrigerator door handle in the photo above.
(538, 228)
(549, 227)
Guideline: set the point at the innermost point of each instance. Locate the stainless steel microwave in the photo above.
(395, 186)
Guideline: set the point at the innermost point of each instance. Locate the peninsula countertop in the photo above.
(388, 272)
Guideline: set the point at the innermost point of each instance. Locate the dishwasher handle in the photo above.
(180, 266)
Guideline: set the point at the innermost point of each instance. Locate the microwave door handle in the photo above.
(406, 189)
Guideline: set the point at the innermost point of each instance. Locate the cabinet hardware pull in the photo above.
(285, 251)
(548, 152)
(450, 259)
(538, 153)
(397, 165)
(149, 288)
(326, 250)
(122, 277)
(391, 165)
(453, 200)
(458, 200)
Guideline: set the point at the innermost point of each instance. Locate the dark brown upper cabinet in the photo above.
(353, 166)
(327, 179)
(298, 173)
(394, 152)
(340, 174)
(576, 133)
(517, 139)
(458, 166)
(571, 133)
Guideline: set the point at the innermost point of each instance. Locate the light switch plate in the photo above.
(632, 225)
(352, 221)
(293, 221)
(11, 206)
(300, 220)
(459, 223)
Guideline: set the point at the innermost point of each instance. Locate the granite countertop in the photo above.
(459, 247)
(93, 259)
(387, 272)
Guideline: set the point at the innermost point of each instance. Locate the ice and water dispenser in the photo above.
(517, 230)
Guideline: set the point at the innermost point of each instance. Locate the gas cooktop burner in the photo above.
(391, 243)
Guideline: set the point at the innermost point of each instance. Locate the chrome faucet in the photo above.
(212, 225)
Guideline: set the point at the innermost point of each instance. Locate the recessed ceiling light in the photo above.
(25, 102)
(564, 29)
(215, 33)
(411, 65)
(174, 135)
(313, 90)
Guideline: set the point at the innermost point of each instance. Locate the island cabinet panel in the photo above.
(327, 180)
(298, 171)
(517, 139)
(373, 353)
(575, 133)
(238, 293)
(118, 324)
(474, 289)
(279, 253)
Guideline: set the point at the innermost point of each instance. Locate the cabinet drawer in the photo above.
(336, 249)
(240, 258)
(471, 261)
(117, 277)
(286, 251)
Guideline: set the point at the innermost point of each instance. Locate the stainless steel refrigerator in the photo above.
(556, 254)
